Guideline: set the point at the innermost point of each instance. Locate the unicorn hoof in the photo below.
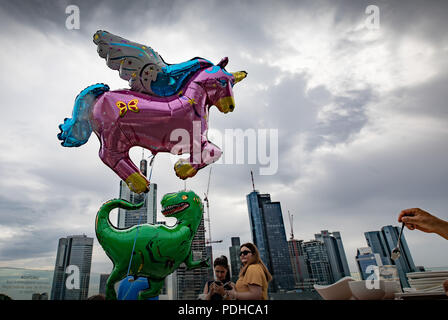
(137, 183)
(184, 169)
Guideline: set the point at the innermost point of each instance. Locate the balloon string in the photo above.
(138, 223)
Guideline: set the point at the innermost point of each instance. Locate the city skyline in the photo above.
(319, 257)
(385, 258)
(360, 114)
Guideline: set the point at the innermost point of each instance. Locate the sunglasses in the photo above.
(245, 252)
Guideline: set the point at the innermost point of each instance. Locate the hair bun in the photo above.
(221, 261)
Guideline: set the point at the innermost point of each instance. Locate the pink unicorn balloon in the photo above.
(177, 124)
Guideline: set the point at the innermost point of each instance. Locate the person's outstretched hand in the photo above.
(419, 219)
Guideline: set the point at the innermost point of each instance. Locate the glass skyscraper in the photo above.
(375, 241)
(268, 234)
(384, 241)
(103, 282)
(209, 253)
(404, 263)
(336, 253)
(235, 262)
(72, 251)
(257, 224)
(365, 258)
(318, 263)
(147, 213)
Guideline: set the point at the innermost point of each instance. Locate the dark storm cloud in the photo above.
(341, 127)
(33, 224)
(425, 19)
(400, 16)
(50, 16)
(14, 213)
(421, 18)
(28, 211)
(41, 14)
(428, 99)
(74, 177)
(214, 20)
(390, 176)
(32, 242)
(294, 111)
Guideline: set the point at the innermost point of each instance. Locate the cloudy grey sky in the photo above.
(361, 116)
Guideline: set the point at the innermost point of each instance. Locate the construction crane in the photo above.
(291, 224)
(209, 240)
(215, 241)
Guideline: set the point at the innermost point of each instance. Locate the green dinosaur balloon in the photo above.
(159, 250)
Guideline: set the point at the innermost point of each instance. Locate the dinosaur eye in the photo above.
(184, 197)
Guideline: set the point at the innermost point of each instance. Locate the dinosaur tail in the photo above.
(102, 222)
(76, 130)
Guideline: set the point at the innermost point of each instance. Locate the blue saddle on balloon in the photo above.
(173, 77)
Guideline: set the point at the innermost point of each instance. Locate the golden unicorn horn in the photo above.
(240, 75)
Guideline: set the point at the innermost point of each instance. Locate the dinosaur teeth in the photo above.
(174, 208)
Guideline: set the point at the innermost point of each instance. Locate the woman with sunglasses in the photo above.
(254, 277)
(215, 290)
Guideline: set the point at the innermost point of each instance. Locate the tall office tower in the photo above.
(103, 282)
(404, 263)
(375, 241)
(318, 262)
(235, 262)
(190, 283)
(298, 263)
(210, 270)
(74, 252)
(336, 253)
(147, 213)
(365, 259)
(268, 234)
(384, 241)
(174, 286)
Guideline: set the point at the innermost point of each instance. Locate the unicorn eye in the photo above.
(223, 83)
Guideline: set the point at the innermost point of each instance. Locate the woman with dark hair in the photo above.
(215, 290)
(254, 277)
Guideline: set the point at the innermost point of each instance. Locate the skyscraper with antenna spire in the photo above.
(148, 212)
(268, 234)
